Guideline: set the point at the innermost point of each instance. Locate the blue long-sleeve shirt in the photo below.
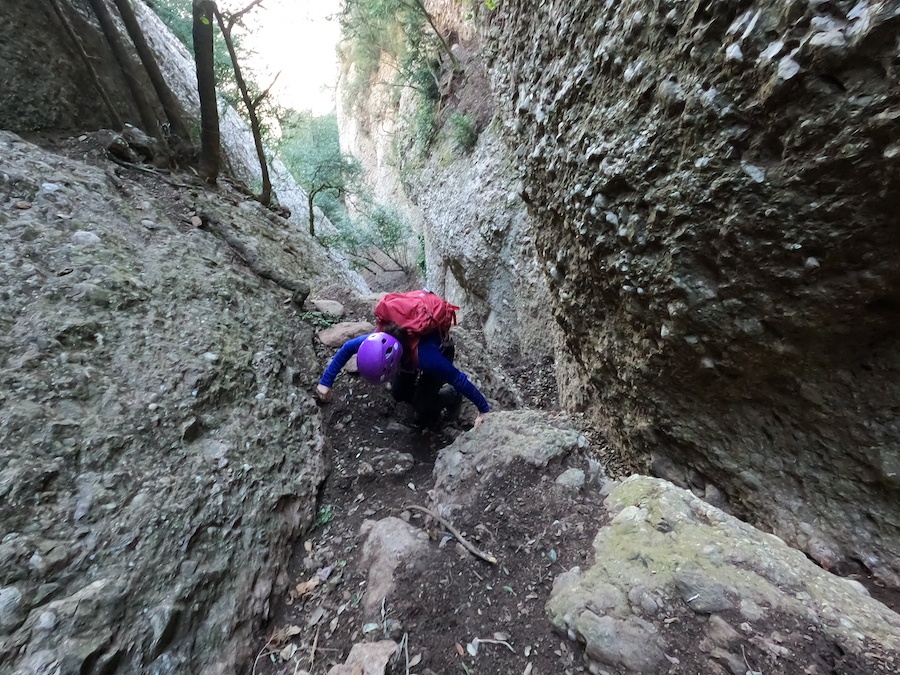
(431, 361)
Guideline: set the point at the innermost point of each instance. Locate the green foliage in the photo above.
(388, 31)
(462, 131)
(324, 516)
(178, 16)
(318, 319)
(424, 128)
(310, 148)
(389, 228)
(379, 240)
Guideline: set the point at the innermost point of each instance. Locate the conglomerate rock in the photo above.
(669, 564)
(716, 187)
(158, 452)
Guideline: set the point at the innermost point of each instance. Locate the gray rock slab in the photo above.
(339, 333)
(505, 437)
(171, 484)
(389, 543)
(666, 556)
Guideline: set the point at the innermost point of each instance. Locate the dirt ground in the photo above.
(452, 612)
(447, 602)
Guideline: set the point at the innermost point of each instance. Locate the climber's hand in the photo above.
(479, 420)
(323, 393)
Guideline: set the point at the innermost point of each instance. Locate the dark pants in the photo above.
(429, 396)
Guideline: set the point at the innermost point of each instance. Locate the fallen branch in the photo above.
(300, 289)
(452, 530)
(154, 172)
(312, 652)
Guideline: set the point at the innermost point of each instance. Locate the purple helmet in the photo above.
(378, 358)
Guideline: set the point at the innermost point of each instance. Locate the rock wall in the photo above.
(158, 452)
(45, 82)
(466, 205)
(47, 88)
(716, 187)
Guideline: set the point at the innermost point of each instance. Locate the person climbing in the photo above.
(411, 351)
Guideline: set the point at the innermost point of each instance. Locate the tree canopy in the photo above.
(310, 148)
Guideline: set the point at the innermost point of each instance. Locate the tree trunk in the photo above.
(85, 59)
(149, 121)
(266, 195)
(312, 215)
(206, 88)
(421, 6)
(166, 97)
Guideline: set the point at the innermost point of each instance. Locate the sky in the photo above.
(296, 38)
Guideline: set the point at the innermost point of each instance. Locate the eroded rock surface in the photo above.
(504, 439)
(716, 191)
(668, 564)
(158, 452)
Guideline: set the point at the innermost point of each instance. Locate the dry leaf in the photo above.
(288, 652)
(284, 634)
(316, 616)
(307, 545)
(460, 650)
(416, 660)
(307, 587)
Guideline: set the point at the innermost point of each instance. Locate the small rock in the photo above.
(734, 53)
(830, 38)
(85, 238)
(721, 632)
(572, 478)
(368, 658)
(45, 622)
(756, 174)
(330, 307)
(787, 68)
(772, 51)
(393, 463)
(338, 334)
(10, 606)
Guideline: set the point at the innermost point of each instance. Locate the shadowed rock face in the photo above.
(717, 191)
(158, 453)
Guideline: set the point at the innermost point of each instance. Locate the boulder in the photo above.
(336, 335)
(669, 564)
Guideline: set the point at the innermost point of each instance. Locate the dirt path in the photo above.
(452, 611)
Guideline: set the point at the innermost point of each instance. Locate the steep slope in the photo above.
(158, 449)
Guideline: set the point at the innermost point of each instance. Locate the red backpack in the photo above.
(418, 312)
